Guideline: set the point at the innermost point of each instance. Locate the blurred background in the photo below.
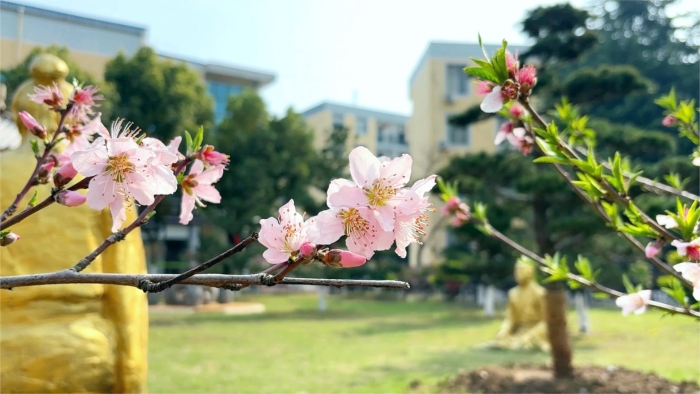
(288, 88)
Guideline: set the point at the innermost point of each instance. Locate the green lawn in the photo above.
(366, 346)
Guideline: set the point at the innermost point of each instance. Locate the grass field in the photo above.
(366, 346)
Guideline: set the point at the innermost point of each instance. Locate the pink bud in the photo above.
(9, 239)
(211, 157)
(512, 64)
(70, 198)
(32, 125)
(64, 175)
(653, 248)
(307, 249)
(457, 221)
(350, 259)
(517, 110)
(453, 202)
(45, 169)
(669, 120)
(527, 77)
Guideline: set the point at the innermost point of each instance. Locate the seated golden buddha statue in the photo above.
(524, 326)
(66, 338)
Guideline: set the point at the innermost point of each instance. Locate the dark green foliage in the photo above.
(161, 97)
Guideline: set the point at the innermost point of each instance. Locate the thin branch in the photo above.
(594, 285)
(38, 207)
(212, 280)
(119, 235)
(32, 178)
(651, 184)
(152, 287)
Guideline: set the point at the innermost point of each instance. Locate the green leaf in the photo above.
(499, 63)
(481, 73)
(479, 211)
(601, 296)
(628, 285)
(198, 138)
(483, 229)
(617, 173)
(4, 232)
(553, 160)
(583, 266)
(574, 285)
(32, 201)
(35, 148)
(481, 45)
(188, 143)
(669, 101)
(150, 214)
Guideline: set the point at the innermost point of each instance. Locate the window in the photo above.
(361, 126)
(221, 92)
(457, 135)
(338, 120)
(457, 80)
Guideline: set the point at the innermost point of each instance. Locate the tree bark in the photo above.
(556, 297)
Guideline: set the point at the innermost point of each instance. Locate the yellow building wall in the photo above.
(322, 124)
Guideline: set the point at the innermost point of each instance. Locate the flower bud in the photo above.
(307, 249)
(517, 110)
(342, 258)
(653, 248)
(211, 157)
(9, 239)
(70, 198)
(44, 171)
(669, 120)
(64, 175)
(32, 125)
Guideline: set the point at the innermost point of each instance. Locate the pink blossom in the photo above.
(32, 125)
(458, 220)
(308, 249)
(197, 186)
(483, 88)
(493, 102)
(64, 175)
(376, 185)
(669, 120)
(283, 237)
(690, 249)
(635, 302)
(70, 198)
(119, 168)
(653, 248)
(510, 133)
(517, 110)
(450, 205)
(81, 134)
(691, 273)
(160, 171)
(210, 157)
(49, 95)
(512, 64)
(527, 76)
(9, 239)
(45, 169)
(518, 138)
(666, 221)
(411, 218)
(342, 258)
(83, 100)
(359, 225)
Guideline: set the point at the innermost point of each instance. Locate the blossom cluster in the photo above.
(519, 84)
(373, 211)
(124, 166)
(513, 131)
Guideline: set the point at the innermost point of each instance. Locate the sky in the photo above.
(356, 52)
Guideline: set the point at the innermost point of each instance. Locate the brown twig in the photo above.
(119, 235)
(38, 207)
(152, 287)
(212, 280)
(40, 161)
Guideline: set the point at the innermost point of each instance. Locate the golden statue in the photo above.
(66, 338)
(524, 326)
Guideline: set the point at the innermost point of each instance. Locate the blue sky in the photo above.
(318, 49)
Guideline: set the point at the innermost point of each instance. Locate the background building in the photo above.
(439, 89)
(384, 134)
(93, 43)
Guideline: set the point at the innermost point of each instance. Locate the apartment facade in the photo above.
(93, 43)
(383, 133)
(439, 89)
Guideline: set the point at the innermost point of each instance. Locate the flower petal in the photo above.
(274, 256)
(207, 193)
(348, 196)
(364, 166)
(493, 102)
(186, 208)
(326, 229)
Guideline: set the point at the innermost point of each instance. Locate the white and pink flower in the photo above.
(83, 99)
(376, 185)
(691, 273)
(49, 95)
(666, 221)
(690, 249)
(197, 186)
(283, 237)
(411, 217)
(636, 302)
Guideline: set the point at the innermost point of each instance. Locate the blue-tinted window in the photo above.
(221, 91)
